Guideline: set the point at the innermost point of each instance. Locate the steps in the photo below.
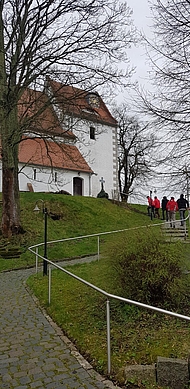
(7, 252)
(177, 233)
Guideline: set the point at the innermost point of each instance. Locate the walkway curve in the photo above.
(34, 353)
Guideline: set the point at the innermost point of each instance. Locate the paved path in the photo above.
(33, 353)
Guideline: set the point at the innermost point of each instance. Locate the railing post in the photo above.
(36, 259)
(45, 264)
(49, 286)
(98, 247)
(108, 336)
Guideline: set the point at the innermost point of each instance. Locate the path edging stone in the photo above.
(172, 373)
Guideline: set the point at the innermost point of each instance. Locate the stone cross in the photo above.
(102, 183)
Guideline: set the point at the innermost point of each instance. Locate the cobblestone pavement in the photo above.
(33, 352)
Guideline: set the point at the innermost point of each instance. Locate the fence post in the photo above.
(108, 336)
(49, 286)
(36, 259)
(98, 247)
(45, 264)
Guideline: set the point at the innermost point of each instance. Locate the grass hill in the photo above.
(68, 217)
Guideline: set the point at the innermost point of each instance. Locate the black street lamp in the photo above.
(151, 210)
(45, 212)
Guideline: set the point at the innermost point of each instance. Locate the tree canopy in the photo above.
(168, 104)
(135, 145)
(71, 39)
(79, 43)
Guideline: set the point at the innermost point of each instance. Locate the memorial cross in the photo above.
(102, 183)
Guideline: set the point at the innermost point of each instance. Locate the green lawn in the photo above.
(78, 216)
(137, 336)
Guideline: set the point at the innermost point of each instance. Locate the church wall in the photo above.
(101, 155)
(44, 179)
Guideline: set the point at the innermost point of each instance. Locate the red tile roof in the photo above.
(37, 151)
(74, 100)
(37, 114)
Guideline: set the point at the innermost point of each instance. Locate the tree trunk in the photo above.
(9, 147)
(10, 221)
(126, 196)
(10, 189)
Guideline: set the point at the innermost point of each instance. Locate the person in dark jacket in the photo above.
(183, 204)
(164, 210)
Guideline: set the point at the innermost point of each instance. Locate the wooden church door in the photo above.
(77, 186)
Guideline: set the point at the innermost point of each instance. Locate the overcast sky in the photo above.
(142, 20)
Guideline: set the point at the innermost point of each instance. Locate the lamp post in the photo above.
(151, 213)
(37, 209)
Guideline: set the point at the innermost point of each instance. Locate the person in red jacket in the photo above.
(150, 207)
(157, 207)
(172, 207)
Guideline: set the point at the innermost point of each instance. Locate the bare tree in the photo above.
(135, 144)
(79, 43)
(168, 105)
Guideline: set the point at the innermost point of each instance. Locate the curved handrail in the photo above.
(110, 295)
(103, 233)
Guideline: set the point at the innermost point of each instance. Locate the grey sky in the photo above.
(142, 20)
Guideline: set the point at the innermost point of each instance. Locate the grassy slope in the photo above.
(137, 336)
(79, 216)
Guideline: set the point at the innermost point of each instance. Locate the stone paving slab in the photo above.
(33, 353)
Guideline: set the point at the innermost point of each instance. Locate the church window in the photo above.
(34, 174)
(92, 133)
(70, 123)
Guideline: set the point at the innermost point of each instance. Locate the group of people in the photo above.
(169, 208)
(153, 206)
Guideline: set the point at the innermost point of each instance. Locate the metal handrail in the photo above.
(106, 294)
(36, 246)
(104, 233)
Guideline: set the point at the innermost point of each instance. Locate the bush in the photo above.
(148, 269)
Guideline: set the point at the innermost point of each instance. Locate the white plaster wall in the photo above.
(101, 155)
(45, 180)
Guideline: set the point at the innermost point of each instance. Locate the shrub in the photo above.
(148, 268)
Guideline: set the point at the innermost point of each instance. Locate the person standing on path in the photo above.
(150, 207)
(164, 210)
(183, 204)
(172, 207)
(157, 207)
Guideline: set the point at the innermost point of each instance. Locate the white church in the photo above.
(69, 143)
